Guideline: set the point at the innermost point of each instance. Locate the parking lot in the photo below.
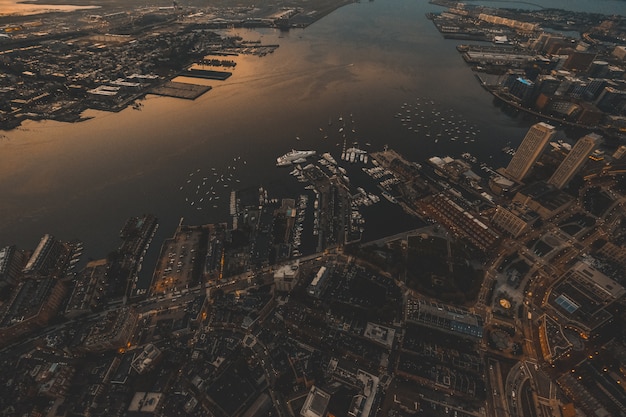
(175, 266)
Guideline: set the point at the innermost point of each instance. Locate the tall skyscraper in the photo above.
(529, 150)
(574, 160)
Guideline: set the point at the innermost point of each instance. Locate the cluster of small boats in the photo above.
(203, 188)
(426, 118)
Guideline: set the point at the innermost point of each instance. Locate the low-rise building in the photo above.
(146, 360)
(113, 331)
(582, 297)
(318, 285)
(461, 222)
(316, 403)
(544, 199)
(444, 317)
(513, 219)
(286, 277)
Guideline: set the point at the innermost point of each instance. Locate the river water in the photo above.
(362, 62)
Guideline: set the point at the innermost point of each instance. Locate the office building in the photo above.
(529, 150)
(574, 160)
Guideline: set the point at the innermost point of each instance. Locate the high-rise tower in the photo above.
(529, 150)
(574, 160)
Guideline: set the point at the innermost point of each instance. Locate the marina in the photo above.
(204, 187)
(428, 119)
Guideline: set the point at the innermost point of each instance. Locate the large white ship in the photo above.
(293, 157)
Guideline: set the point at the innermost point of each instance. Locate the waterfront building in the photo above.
(499, 185)
(45, 258)
(522, 88)
(564, 109)
(512, 23)
(529, 150)
(11, 264)
(574, 160)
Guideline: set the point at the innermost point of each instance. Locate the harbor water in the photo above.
(367, 61)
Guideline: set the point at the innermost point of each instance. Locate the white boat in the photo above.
(389, 197)
(327, 156)
(292, 157)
